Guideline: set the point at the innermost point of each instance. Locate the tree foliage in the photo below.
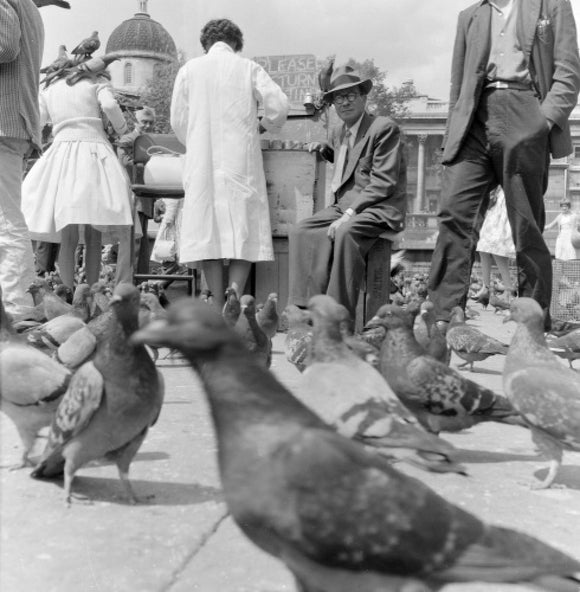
(158, 90)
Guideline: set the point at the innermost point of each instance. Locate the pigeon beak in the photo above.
(507, 319)
(155, 333)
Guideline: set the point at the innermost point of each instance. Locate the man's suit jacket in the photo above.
(547, 36)
(375, 174)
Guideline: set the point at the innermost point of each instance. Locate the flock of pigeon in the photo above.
(308, 473)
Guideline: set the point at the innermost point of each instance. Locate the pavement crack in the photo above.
(176, 575)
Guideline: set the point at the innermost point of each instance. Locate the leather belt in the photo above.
(501, 85)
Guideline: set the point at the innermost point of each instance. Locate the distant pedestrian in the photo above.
(567, 222)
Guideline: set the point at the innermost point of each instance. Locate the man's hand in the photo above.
(336, 225)
(322, 148)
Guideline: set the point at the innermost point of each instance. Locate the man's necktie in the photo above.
(340, 162)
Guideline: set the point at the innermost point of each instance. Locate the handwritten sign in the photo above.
(295, 74)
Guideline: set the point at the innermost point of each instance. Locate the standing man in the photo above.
(327, 251)
(21, 46)
(514, 81)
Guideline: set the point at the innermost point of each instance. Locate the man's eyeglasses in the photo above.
(339, 99)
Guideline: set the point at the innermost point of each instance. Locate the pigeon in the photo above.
(100, 297)
(355, 399)
(59, 3)
(545, 392)
(325, 75)
(31, 384)
(499, 304)
(90, 68)
(267, 316)
(232, 308)
(77, 349)
(86, 47)
(298, 336)
(62, 61)
(567, 346)
(429, 336)
(248, 329)
(64, 293)
(52, 334)
(469, 343)
(561, 327)
(482, 297)
(109, 405)
(440, 397)
(339, 517)
(49, 303)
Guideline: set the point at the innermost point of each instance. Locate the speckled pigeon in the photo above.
(248, 329)
(546, 393)
(339, 517)
(353, 397)
(469, 343)
(440, 397)
(110, 403)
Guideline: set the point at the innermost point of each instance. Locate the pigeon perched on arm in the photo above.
(546, 393)
(339, 517)
(354, 398)
(110, 403)
(440, 397)
(90, 68)
(469, 343)
(58, 3)
(87, 47)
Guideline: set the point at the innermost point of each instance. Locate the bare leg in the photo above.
(238, 275)
(213, 270)
(485, 259)
(92, 254)
(66, 256)
(124, 271)
(504, 269)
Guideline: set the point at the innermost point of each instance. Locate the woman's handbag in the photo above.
(165, 247)
(575, 238)
(164, 168)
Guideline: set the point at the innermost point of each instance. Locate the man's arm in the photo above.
(9, 33)
(563, 94)
(385, 167)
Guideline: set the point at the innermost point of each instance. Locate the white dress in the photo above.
(495, 236)
(79, 179)
(564, 248)
(214, 112)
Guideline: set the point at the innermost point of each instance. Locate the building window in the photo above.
(128, 73)
(576, 152)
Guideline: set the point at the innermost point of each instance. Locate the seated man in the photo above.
(327, 251)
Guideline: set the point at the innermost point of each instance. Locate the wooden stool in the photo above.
(376, 287)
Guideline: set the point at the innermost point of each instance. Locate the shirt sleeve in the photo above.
(180, 107)
(9, 33)
(272, 99)
(111, 108)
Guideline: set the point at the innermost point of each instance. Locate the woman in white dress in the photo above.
(78, 182)
(496, 244)
(567, 222)
(214, 112)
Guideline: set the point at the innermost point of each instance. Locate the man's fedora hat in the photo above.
(345, 77)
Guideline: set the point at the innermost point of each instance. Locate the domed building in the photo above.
(141, 44)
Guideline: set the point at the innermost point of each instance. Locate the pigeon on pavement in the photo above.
(298, 336)
(440, 397)
(428, 335)
(339, 517)
(567, 346)
(248, 329)
(546, 393)
(469, 343)
(267, 316)
(232, 308)
(110, 403)
(354, 398)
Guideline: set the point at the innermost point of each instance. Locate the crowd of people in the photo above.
(515, 79)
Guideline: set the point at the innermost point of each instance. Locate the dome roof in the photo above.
(141, 36)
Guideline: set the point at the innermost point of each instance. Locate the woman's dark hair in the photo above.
(221, 30)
